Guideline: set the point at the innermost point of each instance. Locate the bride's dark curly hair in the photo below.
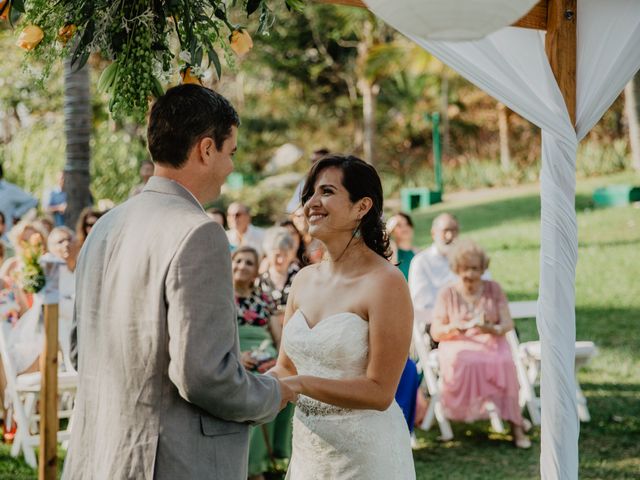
(361, 180)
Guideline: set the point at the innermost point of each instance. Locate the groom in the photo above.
(162, 392)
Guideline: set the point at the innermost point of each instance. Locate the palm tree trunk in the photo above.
(632, 110)
(503, 126)
(369, 93)
(77, 127)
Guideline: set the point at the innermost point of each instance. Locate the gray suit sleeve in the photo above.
(203, 341)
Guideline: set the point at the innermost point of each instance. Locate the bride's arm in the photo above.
(390, 326)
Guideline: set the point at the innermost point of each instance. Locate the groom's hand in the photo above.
(287, 395)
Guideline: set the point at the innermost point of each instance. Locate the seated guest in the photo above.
(19, 313)
(218, 216)
(470, 319)
(241, 232)
(314, 249)
(87, 219)
(25, 233)
(430, 270)
(260, 331)
(408, 395)
(281, 265)
(301, 257)
(400, 230)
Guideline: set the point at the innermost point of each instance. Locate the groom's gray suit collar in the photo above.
(170, 187)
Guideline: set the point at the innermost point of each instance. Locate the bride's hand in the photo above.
(294, 382)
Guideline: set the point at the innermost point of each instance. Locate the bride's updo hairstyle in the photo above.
(361, 180)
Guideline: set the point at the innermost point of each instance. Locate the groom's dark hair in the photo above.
(182, 117)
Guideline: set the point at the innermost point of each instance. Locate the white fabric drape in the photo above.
(511, 65)
(451, 20)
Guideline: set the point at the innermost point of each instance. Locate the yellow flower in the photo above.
(188, 77)
(65, 33)
(241, 42)
(30, 37)
(5, 8)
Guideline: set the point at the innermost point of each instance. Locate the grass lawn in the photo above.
(608, 312)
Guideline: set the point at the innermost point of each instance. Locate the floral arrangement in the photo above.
(32, 274)
(136, 35)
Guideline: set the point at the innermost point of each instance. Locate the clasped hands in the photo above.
(290, 388)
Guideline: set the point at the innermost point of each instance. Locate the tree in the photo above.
(632, 110)
(503, 126)
(77, 121)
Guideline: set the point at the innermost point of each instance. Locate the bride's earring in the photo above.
(356, 232)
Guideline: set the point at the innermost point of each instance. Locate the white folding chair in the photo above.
(527, 356)
(21, 400)
(428, 362)
(528, 396)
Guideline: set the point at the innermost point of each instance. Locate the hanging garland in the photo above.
(135, 36)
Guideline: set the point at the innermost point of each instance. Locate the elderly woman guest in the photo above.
(281, 266)
(471, 317)
(260, 330)
(400, 230)
(299, 245)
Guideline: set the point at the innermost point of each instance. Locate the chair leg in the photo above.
(581, 401)
(533, 407)
(429, 416)
(24, 414)
(446, 433)
(494, 417)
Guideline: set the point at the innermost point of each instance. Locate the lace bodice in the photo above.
(336, 347)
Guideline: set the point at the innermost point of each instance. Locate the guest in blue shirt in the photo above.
(54, 201)
(14, 202)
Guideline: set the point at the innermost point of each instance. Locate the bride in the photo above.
(346, 335)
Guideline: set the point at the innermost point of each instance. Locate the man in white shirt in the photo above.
(241, 232)
(14, 202)
(430, 271)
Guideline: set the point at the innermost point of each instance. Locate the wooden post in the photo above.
(560, 45)
(48, 460)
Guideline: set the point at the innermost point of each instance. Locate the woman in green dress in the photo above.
(400, 230)
(260, 330)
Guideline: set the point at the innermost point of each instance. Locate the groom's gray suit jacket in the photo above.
(162, 393)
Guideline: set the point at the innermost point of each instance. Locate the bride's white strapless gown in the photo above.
(333, 443)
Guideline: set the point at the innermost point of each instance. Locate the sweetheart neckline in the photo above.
(310, 328)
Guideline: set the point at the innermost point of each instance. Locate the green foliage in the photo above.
(116, 158)
(136, 35)
(35, 155)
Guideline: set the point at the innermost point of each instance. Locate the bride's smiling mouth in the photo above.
(316, 217)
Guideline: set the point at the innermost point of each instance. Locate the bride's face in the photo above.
(330, 211)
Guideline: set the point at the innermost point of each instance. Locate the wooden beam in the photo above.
(536, 18)
(48, 461)
(560, 45)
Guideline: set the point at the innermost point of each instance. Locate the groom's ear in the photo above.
(207, 149)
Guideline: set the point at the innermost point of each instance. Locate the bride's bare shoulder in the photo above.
(386, 272)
